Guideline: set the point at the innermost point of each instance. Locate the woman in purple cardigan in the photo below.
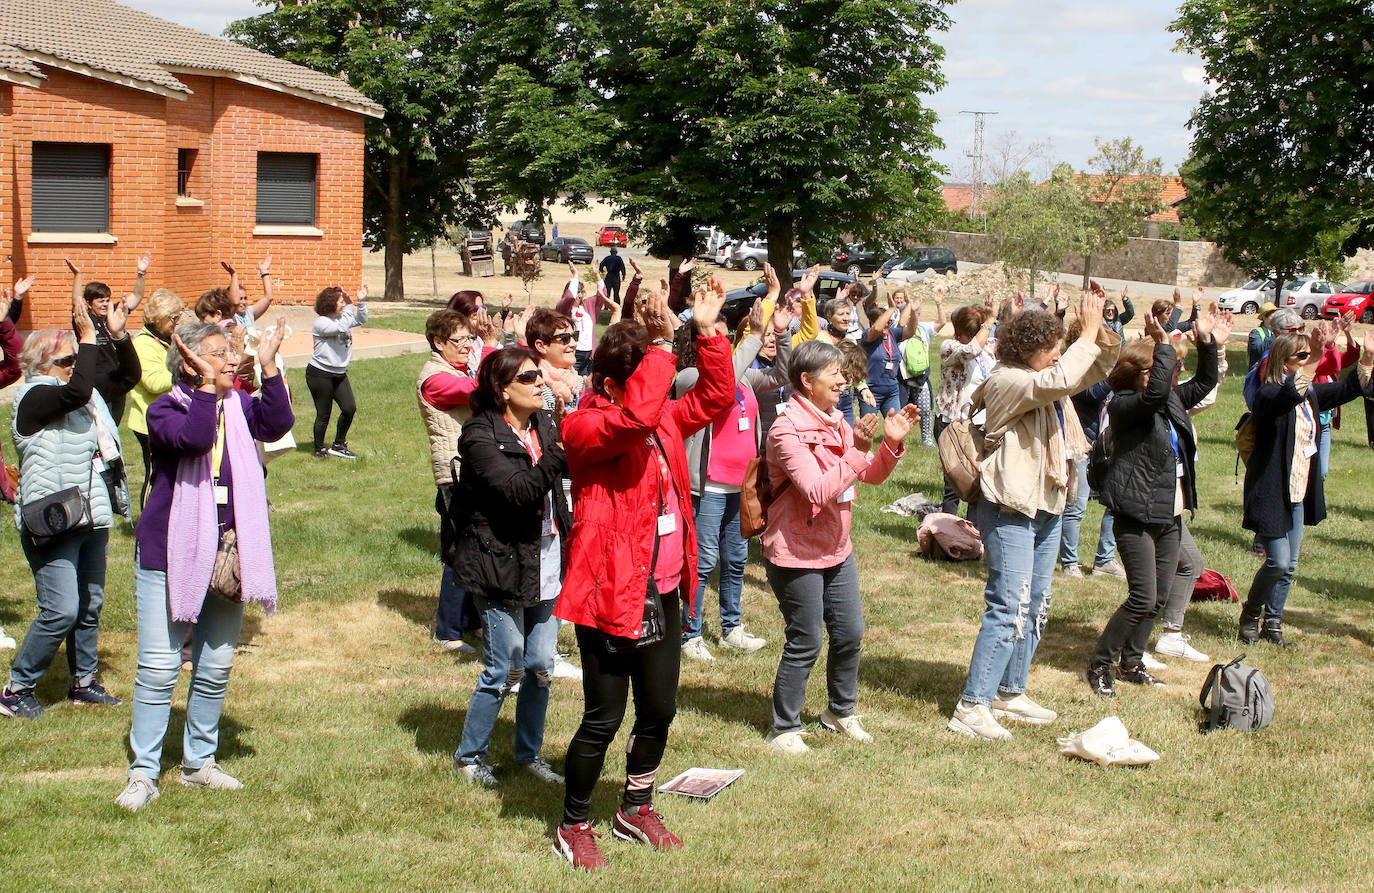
(206, 479)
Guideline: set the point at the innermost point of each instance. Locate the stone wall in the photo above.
(1163, 261)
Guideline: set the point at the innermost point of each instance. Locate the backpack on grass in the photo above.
(1213, 587)
(1240, 698)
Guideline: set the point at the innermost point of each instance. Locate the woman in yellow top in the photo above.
(160, 317)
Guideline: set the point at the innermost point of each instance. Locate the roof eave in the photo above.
(369, 110)
(102, 75)
(21, 78)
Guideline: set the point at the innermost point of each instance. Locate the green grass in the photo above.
(342, 718)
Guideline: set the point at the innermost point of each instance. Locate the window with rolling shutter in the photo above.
(71, 188)
(286, 188)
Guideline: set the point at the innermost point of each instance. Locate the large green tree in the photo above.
(804, 118)
(1121, 189)
(1282, 156)
(409, 56)
(1034, 226)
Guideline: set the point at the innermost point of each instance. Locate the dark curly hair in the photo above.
(495, 375)
(618, 354)
(544, 324)
(441, 324)
(327, 301)
(1032, 331)
(685, 346)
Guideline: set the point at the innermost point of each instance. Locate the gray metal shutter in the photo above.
(71, 188)
(286, 188)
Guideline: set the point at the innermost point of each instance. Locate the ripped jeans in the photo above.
(518, 642)
(1021, 555)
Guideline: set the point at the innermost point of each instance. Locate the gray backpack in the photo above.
(1241, 698)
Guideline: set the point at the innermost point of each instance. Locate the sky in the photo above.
(1059, 72)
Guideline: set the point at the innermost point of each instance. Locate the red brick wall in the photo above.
(228, 123)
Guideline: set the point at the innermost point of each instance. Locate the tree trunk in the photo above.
(1087, 270)
(1032, 286)
(780, 241)
(393, 230)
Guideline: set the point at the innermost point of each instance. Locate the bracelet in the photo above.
(264, 274)
(658, 341)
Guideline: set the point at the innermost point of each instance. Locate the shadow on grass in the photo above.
(748, 708)
(417, 607)
(426, 539)
(935, 682)
(231, 735)
(1067, 645)
(1236, 536)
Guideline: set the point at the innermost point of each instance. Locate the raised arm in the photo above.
(140, 281)
(265, 277)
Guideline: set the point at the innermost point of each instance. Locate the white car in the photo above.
(1308, 296)
(1249, 297)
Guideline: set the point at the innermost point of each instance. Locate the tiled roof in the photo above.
(145, 52)
(1170, 195)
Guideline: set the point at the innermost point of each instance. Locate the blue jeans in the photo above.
(846, 405)
(717, 520)
(1323, 449)
(517, 640)
(215, 634)
(1021, 554)
(1073, 521)
(886, 398)
(69, 577)
(1275, 576)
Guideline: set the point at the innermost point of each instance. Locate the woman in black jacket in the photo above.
(1149, 484)
(508, 555)
(1283, 491)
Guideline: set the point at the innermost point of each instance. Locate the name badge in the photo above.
(666, 524)
(1309, 451)
(221, 495)
(1178, 466)
(782, 407)
(744, 423)
(848, 495)
(888, 365)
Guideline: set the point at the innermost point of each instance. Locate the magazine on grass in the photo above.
(702, 784)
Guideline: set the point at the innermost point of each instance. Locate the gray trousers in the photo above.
(1190, 567)
(814, 602)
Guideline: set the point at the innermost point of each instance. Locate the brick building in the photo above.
(122, 133)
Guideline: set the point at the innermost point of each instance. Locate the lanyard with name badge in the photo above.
(217, 457)
(743, 413)
(667, 521)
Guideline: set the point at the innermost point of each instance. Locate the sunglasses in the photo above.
(1302, 355)
(529, 376)
(65, 361)
(563, 338)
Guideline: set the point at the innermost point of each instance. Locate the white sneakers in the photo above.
(976, 721)
(1022, 709)
(695, 649)
(788, 742)
(849, 726)
(456, 646)
(140, 792)
(1152, 664)
(7, 643)
(541, 770)
(563, 669)
(210, 776)
(738, 639)
(1176, 645)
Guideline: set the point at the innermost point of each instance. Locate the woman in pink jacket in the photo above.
(814, 461)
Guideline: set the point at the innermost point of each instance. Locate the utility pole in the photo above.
(976, 188)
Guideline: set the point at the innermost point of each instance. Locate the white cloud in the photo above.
(1194, 74)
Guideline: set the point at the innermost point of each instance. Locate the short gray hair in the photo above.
(193, 335)
(40, 348)
(812, 358)
(1284, 319)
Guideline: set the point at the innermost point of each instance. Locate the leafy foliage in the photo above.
(1121, 189)
(1282, 159)
(1034, 226)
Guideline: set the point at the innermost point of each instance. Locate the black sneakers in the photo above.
(342, 451)
(20, 703)
(1100, 681)
(94, 693)
(1137, 676)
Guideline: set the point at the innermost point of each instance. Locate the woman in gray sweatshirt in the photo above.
(327, 374)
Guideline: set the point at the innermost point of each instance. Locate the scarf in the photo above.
(193, 528)
(560, 381)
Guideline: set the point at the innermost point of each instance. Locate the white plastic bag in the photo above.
(1107, 744)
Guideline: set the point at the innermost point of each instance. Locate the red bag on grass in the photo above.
(1213, 587)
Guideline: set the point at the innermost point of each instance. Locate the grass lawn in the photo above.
(343, 716)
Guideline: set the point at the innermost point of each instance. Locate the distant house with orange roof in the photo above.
(1170, 195)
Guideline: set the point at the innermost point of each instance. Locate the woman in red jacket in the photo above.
(632, 555)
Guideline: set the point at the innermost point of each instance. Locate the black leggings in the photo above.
(146, 448)
(326, 388)
(606, 683)
(1149, 553)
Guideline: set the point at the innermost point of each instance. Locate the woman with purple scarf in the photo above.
(206, 479)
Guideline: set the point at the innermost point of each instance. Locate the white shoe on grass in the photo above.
(976, 721)
(849, 726)
(541, 770)
(1153, 664)
(740, 640)
(695, 649)
(788, 742)
(564, 669)
(210, 776)
(7, 643)
(1020, 708)
(1177, 645)
(140, 792)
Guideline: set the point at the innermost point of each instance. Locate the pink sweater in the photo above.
(808, 527)
(732, 448)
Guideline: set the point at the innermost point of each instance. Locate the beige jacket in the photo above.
(1028, 464)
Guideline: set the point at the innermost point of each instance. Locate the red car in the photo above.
(612, 234)
(1357, 297)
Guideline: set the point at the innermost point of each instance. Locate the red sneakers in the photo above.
(578, 845)
(644, 826)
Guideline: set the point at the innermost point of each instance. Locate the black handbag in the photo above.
(59, 514)
(654, 626)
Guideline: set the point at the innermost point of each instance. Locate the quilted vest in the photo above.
(444, 426)
(61, 456)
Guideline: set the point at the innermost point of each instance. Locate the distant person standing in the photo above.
(555, 231)
(327, 374)
(612, 268)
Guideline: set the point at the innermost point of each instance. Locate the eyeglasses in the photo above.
(223, 354)
(65, 361)
(563, 338)
(1302, 355)
(460, 340)
(529, 376)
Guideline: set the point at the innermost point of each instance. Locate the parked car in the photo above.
(1249, 297)
(739, 300)
(1357, 297)
(855, 259)
(721, 254)
(567, 248)
(752, 256)
(612, 234)
(910, 268)
(1308, 296)
(710, 239)
(529, 231)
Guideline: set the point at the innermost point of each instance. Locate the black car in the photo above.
(738, 301)
(567, 248)
(529, 231)
(941, 260)
(855, 259)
